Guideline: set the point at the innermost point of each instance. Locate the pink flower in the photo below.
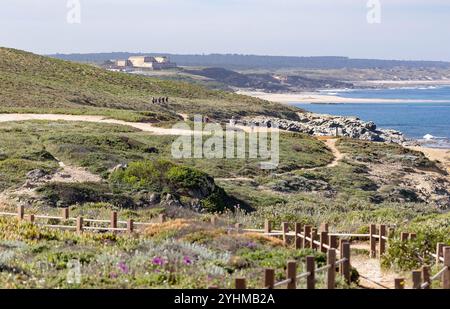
(123, 267)
(187, 260)
(158, 261)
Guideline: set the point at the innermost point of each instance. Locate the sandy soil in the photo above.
(316, 98)
(441, 155)
(73, 174)
(338, 156)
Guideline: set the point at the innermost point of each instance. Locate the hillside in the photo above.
(32, 81)
(266, 81)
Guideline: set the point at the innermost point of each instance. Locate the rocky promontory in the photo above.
(328, 125)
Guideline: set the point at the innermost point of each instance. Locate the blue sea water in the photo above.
(415, 120)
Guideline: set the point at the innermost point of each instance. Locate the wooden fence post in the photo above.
(417, 279)
(31, 218)
(346, 264)
(80, 225)
(311, 268)
(307, 234)
(446, 274)
(240, 283)
(399, 283)
(291, 273)
(324, 227)
(332, 241)
(113, 219)
(313, 238)
(331, 272)
(213, 220)
(267, 226)
(269, 278)
(404, 236)
(20, 212)
(373, 241)
(341, 255)
(323, 241)
(439, 251)
(298, 239)
(130, 226)
(426, 276)
(285, 229)
(382, 243)
(161, 218)
(65, 213)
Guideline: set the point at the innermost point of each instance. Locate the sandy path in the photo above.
(377, 278)
(338, 156)
(96, 119)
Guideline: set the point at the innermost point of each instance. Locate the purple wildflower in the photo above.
(187, 260)
(251, 245)
(123, 267)
(113, 275)
(158, 261)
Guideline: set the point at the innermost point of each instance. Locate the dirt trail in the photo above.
(96, 119)
(371, 269)
(73, 174)
(372, 276)
(338, 156)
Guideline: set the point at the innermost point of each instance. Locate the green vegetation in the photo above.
(169, 255)
(363, 151)
(30, 81)
(411, 254)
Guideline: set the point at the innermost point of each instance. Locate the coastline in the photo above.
(318, 98)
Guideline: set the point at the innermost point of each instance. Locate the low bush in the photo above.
(58, 194)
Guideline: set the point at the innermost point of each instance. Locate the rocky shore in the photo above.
(328, 125)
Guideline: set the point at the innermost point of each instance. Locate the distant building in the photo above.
(141, 62)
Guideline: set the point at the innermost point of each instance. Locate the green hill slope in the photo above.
(32, 81)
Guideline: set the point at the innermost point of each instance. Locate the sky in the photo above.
(407, 29)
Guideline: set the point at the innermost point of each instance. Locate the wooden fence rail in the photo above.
(422, 279)
(310, 274)
(305, 236)
(113, 223)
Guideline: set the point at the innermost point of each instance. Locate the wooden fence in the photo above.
(305, 236)
(310, 275)
(81, 224)
(422, 279)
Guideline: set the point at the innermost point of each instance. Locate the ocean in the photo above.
(429, 123)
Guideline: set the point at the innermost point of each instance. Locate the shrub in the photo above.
(411, 254)
(163, 176)
(58, 194)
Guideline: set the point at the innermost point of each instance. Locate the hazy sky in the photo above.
(409, 29)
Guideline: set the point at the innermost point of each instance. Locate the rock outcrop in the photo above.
(328, 125)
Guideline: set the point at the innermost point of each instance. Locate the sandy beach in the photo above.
(318, 98)
(410, 83)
